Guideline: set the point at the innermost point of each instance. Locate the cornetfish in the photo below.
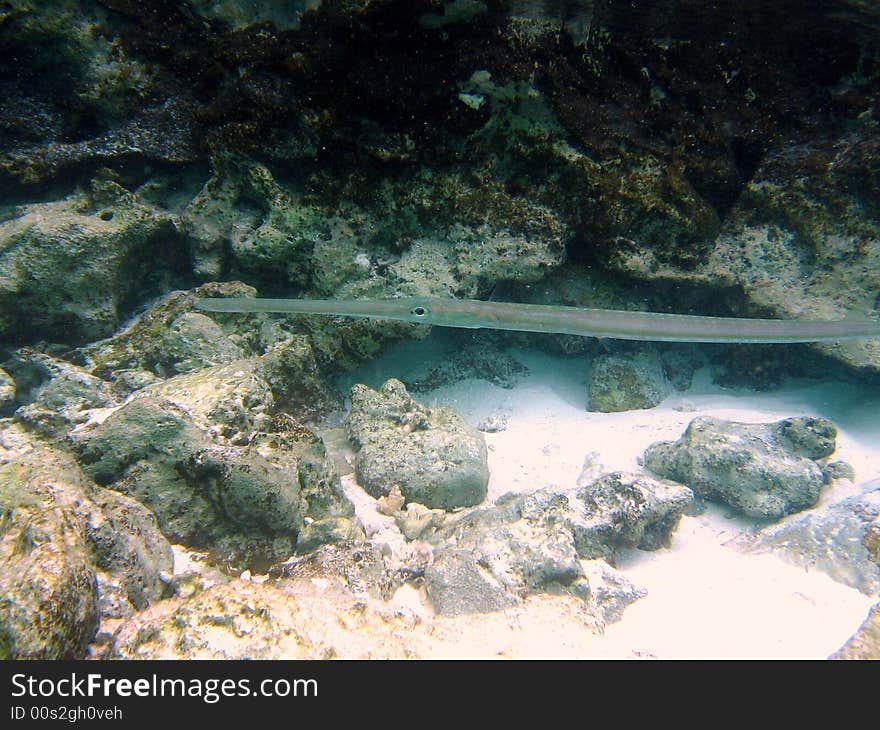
(610, 323)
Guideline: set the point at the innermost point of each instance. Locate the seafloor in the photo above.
(175, 483)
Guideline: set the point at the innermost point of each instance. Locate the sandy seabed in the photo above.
(705, 597)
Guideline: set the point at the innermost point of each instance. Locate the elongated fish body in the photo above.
(609, 323)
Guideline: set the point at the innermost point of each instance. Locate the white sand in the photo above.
(705, 599)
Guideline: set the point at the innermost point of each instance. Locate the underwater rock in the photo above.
(626, 382)
(434, 457)
(229, 500)
(480, 359)
(802, 241)
(484, 255)
(456, 583)
(315, 533)
(524, 544)
(169, 338)
(231, 399)
(164, 132)
(7, 394)
(359, 565)
(246, 620)
(121, 538)
(292, 374)
(812, 438)
(764, 470)
(48, 588)
(70, 268)
(290, 445)
(865, 642)
(126, 544)
(606, 590)
(841, 539)
(278, 245)
(243, 220)
(55, 395)
(621, 510)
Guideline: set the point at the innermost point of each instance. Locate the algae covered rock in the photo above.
(73, 553)
(431, 454)
(54, 395)
(70, 268)
(125, 543)
(292, 373)
(229, 500)
(48, 586)
(107, 537)
(231, 399)
(621, 510)
(626, 382)
(169, 338)
(7, 393)
(760, 469)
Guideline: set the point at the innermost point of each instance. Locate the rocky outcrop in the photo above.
(54, 395)
(70, 269)
(764, 470)
(431, 454)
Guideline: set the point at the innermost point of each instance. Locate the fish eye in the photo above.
(418, 311)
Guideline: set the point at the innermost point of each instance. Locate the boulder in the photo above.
(72, 553)
(431, 454)
(54, 395)
(620, 510)
(495, 556)
(627, 382)
(229, 500)
(765, 470)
